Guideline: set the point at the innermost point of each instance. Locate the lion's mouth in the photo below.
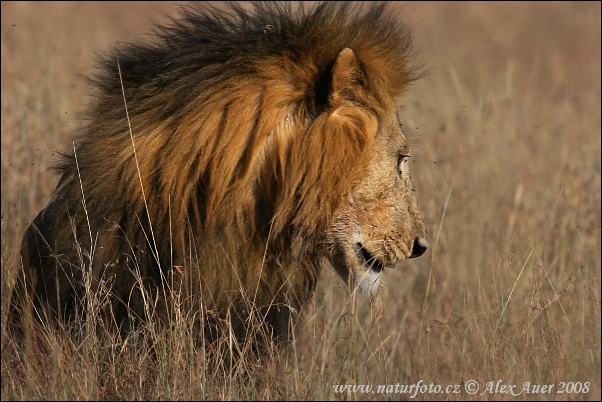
(369, 260)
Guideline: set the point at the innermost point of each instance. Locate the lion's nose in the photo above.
(420, 245)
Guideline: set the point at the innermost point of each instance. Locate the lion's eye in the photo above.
(402, 161)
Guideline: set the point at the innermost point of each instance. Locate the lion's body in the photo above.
(249, 150)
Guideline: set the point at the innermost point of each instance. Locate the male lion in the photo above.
(220, 166)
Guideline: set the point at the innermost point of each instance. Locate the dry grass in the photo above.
(506, 139)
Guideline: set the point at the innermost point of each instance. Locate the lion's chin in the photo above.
(360, 277)
(367, 282)
(360, 271)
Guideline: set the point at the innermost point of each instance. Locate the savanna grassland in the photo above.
(505, 131)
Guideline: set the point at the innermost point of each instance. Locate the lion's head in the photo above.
(378, 224)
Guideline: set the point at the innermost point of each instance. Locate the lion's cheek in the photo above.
(339, 264)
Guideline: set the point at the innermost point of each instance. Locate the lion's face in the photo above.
(378, 224)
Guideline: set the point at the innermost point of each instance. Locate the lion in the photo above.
(222, 165)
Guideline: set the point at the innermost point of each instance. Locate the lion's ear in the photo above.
(339, 81)
(346, 75)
